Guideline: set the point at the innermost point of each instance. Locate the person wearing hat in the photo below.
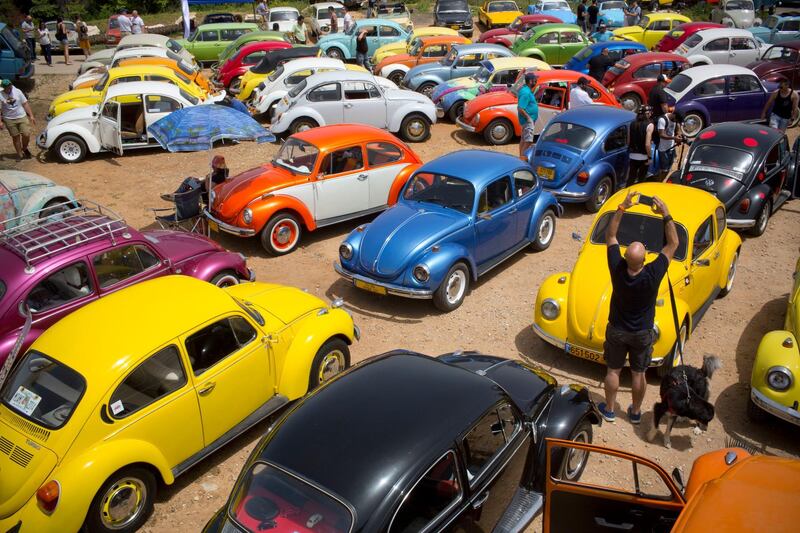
(657, 99)
(601, 35)
(579, 95)
(528, 112)
(639, 145)
(599, 64)
(17, 118)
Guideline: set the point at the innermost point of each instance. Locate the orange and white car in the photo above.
(425, 50)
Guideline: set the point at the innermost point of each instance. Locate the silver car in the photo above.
(735, 14)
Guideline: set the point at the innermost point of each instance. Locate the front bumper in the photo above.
(740, 223)
(568, 195)
(774, 408)
(395, 290)
(464, 125)
(228, 228)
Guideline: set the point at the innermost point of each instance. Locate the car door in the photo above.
(385, 160)
(373, 39)
(570, 43)
(718, 50)
(465, 65)
(744, 51)
(495, 221)
(204, 46)
(363, 104)
(524, 188)
(704, 270)
(157, 107)
(617, 492)
(547, 42)
(552, 99)
(711, 94)
(108, 124)
(776, 167)
(654, 32)
(327, 101)
(121, 266)
(342, 184)
(615, 153)
(746, 97)
(59, 292)
(786, 31)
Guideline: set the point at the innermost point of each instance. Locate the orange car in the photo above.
(181, 69)
(424, 50)
(319, 177)
(495, 113)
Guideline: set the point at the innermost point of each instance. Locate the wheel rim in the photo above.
(70, 150)
(691, 125)
(303, 126)
(602, 193)
(227, 280)
(456, 285)
(763, 218)
(50, 211)
(415, 128)
(499, 132)
(123, 502)
(396, 77)
(546, 229)
(732, 272)
(575, 459)
(332, 364)
(334, 53)
(284, 235)
(427, 90)
(630, 103)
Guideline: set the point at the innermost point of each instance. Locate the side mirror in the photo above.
(702, 262)
(678, 478)
(577, 237)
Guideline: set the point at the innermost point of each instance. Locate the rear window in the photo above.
(297, 89)
(720, 159)
(648, 230)
(679, 83)
(569, 135)
(43, 390)
(693, 41)
(175, 46)
(275, 16)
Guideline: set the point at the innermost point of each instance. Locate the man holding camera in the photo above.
(630, 334)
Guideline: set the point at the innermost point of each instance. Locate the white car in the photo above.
(104, 57)
(72, 35)
(96, 73)
(722, 46)
(354, 97)
(323, 19)
(118, 123)
(284, 17)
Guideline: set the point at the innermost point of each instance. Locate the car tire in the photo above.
(500, 131)
(630, 101)
(454, 287)
(755, 413)
(396, 76)
(302, 124)
(455, 111)
(545, 231)
(601, 193)
(334, 53)
(574, 461)
(762, 220)
(281, 234)
(697, 122)
(415, 128)
(731, 276)
(131, 482)
(225, 278)
(70, 149)
(426, 88)
(674, 358)
(55, 206)
(331, 359)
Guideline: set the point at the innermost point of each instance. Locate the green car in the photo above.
(209, 40)
(251, 37)
(552, 43)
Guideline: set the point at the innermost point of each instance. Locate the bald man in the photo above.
(630, 334)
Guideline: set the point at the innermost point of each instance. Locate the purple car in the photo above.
(58, 264)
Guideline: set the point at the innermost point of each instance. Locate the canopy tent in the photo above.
(186, 3)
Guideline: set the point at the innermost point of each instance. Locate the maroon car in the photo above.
(778, 62)
(680, 33)
(631, 79)
(506, 36)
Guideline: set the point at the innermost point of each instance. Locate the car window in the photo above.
(152, 77)
(721, 221)
(330, 92)
(743, 43)
(495, 195)
(111, 110)
(524, 181)
(217, 341)
(160, 375)
(790, 25)
(125, 79)
(647, 72)
(341, 161)
(297, 77)
(231, 35)
(207, 35)
(743, 84)
(389, 31)
(489, 436)
(372, 31)
(383, 153)
(121, 263)
(441, 190)
(659, 25)
(703, 238)
(469, 60)
(717, 45)
(550, 37)
(551, 96)
(492, 55)
(360, 90)
(712, 87)
(570, 37)
(431, 496)
(161, 104)
(63, 286)
(505, 77)
(569, 135)
(616, 139)
(773, 158)
(435, 50)
(672, 68)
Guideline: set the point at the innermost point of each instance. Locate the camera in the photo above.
(645, 200)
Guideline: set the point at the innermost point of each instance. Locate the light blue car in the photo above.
(379, 32)
(777, 29)
(611, 13)
(24, 195)
(554, 8)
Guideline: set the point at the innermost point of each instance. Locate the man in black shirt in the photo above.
(657, 99)
(630, 334)
(599, 64)
(362, 49)
(593, 11)
(581, 15)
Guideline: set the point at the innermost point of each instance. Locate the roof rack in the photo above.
(38, 235)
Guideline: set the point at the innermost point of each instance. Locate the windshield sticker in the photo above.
(117, 407)
(25, 400)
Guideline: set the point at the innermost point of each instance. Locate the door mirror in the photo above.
(702, 262)
(678, 478)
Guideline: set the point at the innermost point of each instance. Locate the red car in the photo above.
(250, 54)
(506, 36)
(631, 79)
(680, 33)
(112, 32)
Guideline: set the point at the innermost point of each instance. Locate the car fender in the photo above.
(416, 81)
(92, 142)
(400, 114)
(269, 99)
(699, 59)
(495, 112)
(732, 245)
(400, 181)
(440, 261)
(694, 107)
(265, 207)
(206, 266)
(343, 49)
(394, 67)
(544, 202)
(40, 198)
(773, 350)
(596, 173)
(502, 41)
(622, 90)
(534, 53)
(294, 113)
(555, 287)
(310, 335)
(666, 324)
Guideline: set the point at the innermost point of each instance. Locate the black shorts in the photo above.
(634, 345)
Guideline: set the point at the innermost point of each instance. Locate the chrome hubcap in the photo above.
(546, 230)
(332, 364)
(415, 128)
(732, 272)
(762, 218)
(123, 503)
(602, 193)
(576, 458)
(303, 127)
(499, 132)
(629, 104)
(70, 150)
(455, 286)
(691, 125)
(427, 91)
(227, 280)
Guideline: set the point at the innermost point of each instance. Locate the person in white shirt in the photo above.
(137, 24)
(29, 31)
(668, 138)
(125, 26)
(17, 117)
(579, 96)
(348, 21)
(262, 12)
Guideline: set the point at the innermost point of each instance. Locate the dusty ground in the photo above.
(495, 318)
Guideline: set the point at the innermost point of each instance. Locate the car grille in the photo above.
(15, 453)
(26, 427)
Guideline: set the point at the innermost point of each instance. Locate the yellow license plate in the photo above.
(455, 26)
(546, 173)
(371, 287)
(583, 353)
(213, 226)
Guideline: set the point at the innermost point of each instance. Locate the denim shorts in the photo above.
(636, 346)
(665, 159)
(779, 123)
(528, 132)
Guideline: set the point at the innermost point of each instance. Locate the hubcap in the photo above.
(576, 458)
(123, 502)
(499, 132)
(691, 125)
(456, 285)
(284, 234)
(305, 126)
(427, 90)
(546, 230)
(762, 218)
(70, 150)
(602, 193)
(630, 104)
(332, 364)
(415, 128)
(732, 272)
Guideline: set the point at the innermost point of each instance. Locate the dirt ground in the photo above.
(495, 318)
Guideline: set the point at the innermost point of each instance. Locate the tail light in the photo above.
(760, 176)
(688, 177)
(744, 206)
(47, 496)
(583, 177)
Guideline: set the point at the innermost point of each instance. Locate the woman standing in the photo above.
(83, 37)
(44, 42)
(62, 37)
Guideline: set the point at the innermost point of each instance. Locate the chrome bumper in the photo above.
(395, 290)
(567, 194)
(228, 228)
(740, 223)
(558, 343)
(774, 408)
(464, 125)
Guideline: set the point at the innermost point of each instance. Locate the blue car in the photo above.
(582, 154)
(457, 217)
(616, 51)
(554, 8)
(611, 13)
(379, 32)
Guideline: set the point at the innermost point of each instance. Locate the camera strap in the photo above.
(678, 342)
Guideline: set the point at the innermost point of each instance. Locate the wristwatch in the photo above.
(667, 218)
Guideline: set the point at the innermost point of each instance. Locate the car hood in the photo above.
(742, 18)
(453, 17)
(763, 69)
(486, 100)
(425, 68)
(231, 196)
(494, 34)
(452, 85)
(562, 161)
(400, 233)
(13, 180)
(180, 245)
(287, 304)
(726, 188)
(628, 31)
(87, 93)
(85, 113)
(397, 47)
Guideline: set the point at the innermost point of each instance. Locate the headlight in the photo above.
(779, 378)
(211, 196)
(476, 119)
(421, 273)
(346, 251)
(657, 332)
(550, 309)
(247, 215)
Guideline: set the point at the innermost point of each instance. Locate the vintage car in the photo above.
(750, 168)
(735, 14)
(779, 62)
(322, 17)
(404, 47)
(113, 35)
(25, 196)
(72, 35)
(220, 18)
(458, 217)
(616, 51)
(116, 124)
(139, 52)
(208, 40)
(498, 13)
(396, 12)
(494, 74)
(778, 29)
(582, 154)
(454, 14)
(103, 58)
(181, 68)
(425, 50)
(256, 76)
(631, 79)
(494, 114)
(99, 421)
(470, 436)
(680, 33)
(462, 61)
(379, 32)
(247, 38)
(571, 310)
(354, 97)
(284, 16)
(506, 36)
(718, 93)
(612, 13)
(90, 252)
(722, 46)
(552, 43)
(230, 73)
(319, 177)
(555, 8)
(651, 29)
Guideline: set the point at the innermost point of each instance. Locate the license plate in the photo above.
(583, 353)
(546, 173)
(455, 26)
(213, 226)
(371, 287)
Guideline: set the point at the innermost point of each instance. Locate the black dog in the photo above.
(677, 401)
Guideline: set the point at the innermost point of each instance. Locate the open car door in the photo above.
(109, 126)
(552, 101)
(794, 177)
(617, 491)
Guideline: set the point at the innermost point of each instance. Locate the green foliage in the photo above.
(44, 9)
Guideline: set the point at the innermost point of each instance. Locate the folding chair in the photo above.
(187, 210)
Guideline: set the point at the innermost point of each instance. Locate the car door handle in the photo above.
(481, 500)
(512, 210)
(348, 106)
(602, 522)
(205, 389)
(362, 177)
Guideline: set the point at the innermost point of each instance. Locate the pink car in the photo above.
(506, 36)
(251, 54)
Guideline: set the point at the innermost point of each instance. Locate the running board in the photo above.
(523, 508)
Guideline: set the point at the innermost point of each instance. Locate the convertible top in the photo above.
(274, 58)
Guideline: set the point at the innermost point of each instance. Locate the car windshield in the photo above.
(268, 495)
(323, 14)
(502, 6)
(451, 6)
(447, 61)
(612, 5)
(483, 75)
(781, 53)
(297, 89)
(644, 22)
(101, 83)
(725, 160)
(555, 6)
(174, 45)
(276, 16)
(739, 4)
(569, 135)
(446, 191)
(297, 156)
(276, 73)
(415, 48)
(693, 41)
(352, 30)
(679, 83)
(646, 229)
(113, 24)
(43, 390)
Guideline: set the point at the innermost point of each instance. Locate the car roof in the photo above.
(788, 44)
(279, 9)
(616, 44)
(147, 50)
(144, 38)
(443, 39)
(327, 4)
(227, 26)
(748, 137)
(688, 205)
(478, 167)
(339, 75)
(140, 87)
(483, 47)
(386, 21)
(600, 118)
(338, 134)
(137, 69)
(697, 24)
(549, 26)
(667, 16)
(714, 33)
(648, 57)
(365, 434)
(314, 61)
(703, 72)
(515, 62)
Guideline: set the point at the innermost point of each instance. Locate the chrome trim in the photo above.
(396, 290)
(464, 125)
(439, 112)
(567, 194)
(782, 370)
(774, 408)
(356, 332)
(740, 223)
(555, 303)
(229, 228)
(252, 274)
(558, 343)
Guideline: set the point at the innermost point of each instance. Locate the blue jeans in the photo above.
(47, 52)
(665, 160)
(32, 46)
(779, 123)
(363, 60)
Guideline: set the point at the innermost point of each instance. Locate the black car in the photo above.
(453, 14)
(405, 442)
(749, 167)
(224, 18)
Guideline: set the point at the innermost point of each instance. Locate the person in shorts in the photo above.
(17, 118)
(528, 112)
(630, 334)
(782, 106)
(83, 37)
(668, 137)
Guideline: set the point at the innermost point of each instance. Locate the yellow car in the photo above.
(571, 310)
(94, 95)
(651, 28)
(250, 80)
(130, 391)
(773, 383)
(403, 47)
(184, 70)
(498, 13)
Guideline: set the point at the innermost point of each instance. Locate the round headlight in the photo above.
(421, 273)
(657, 332)
(476, 119)
(346, 251)
(550, 309)
(779, 378)
(247, 215)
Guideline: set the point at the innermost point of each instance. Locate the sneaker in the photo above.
(27, 154)
(635, 419)
(609, 416)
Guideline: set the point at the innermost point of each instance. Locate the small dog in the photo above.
(676, 401)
